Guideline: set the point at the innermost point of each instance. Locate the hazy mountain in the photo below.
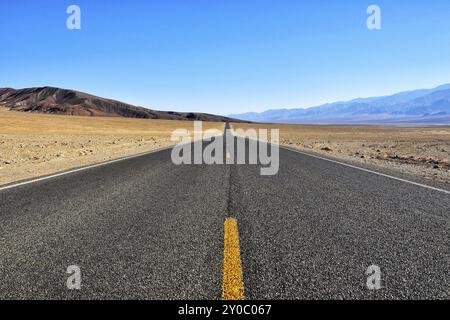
(419, 106)
(70, 102)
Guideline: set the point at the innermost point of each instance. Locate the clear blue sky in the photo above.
(226, 56)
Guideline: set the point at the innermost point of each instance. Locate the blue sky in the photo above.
(226, 56)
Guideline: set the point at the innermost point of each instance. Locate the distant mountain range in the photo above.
(70, 102)
(426, 106)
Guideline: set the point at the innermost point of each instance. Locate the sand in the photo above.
(33, 145)
(420, 151)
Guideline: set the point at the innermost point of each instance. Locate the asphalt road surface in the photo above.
(144, 228)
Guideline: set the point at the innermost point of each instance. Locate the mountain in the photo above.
(70, 102)
(420, 106)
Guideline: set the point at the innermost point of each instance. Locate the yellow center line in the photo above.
(232, 283)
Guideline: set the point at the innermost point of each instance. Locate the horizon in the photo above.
(230, 114)
(357, 98)
(227, 58)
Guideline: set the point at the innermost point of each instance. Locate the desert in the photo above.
(419, 151)
(33, 145)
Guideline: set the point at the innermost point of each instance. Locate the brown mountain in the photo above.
(70, 102)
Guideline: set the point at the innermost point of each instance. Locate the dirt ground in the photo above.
(33, 145)
(421, 151)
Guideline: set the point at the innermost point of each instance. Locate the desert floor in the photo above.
(33, 145)
(420, 151)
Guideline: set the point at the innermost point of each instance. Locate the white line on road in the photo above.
(367, 170)
(81, 169)
(359, 168)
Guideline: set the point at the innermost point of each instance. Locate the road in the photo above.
(144, 228)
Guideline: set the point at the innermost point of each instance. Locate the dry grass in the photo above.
(32, 145)
(423, 151)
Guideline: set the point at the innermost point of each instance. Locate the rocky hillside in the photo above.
(70, 102)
